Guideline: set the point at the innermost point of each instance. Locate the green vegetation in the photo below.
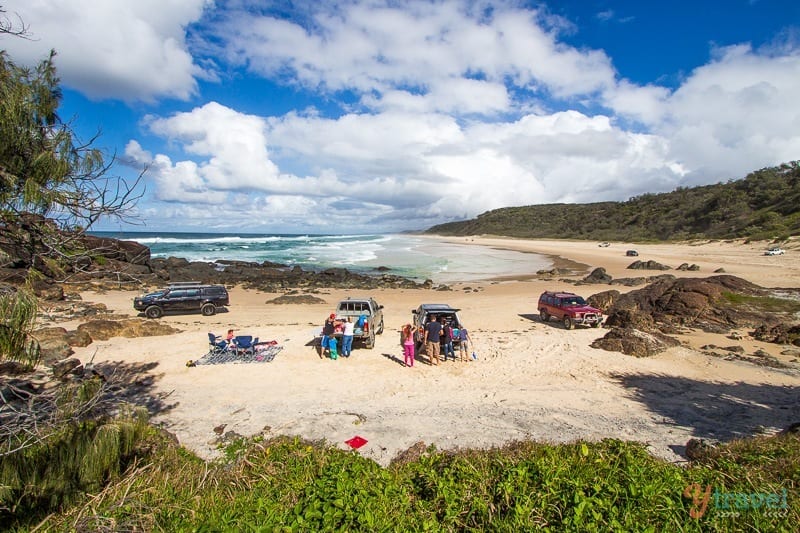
(764, 205)
(288, 484)
(763, 303)
(17, 320)
(53, 185)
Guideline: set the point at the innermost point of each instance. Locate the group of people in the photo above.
(329, 342)
(437, 337)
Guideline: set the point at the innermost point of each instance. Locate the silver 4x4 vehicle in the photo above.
(188, 297)
(423, 314)
(355, 308)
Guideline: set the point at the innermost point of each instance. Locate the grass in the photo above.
(763, 303)
(287, 484)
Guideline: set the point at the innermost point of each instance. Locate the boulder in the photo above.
(648, 265)
(65, 367)
(634, 342)
(130, 328)
(603, 300)
(598, 275)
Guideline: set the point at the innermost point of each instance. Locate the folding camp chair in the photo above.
(216, 345)
(245, 345)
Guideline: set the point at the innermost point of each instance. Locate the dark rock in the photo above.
(696, 302)
(66, 366)
(296, 299)
(47, 290)
(634, 342)
(647, 265)
(734, 349)
(697, 449)
(720, 270)
(598, 275)
(412, 454)
(130, 328)
(687, 266)
(125, 251)
(793, 429)
(13, 368)
(603, 300)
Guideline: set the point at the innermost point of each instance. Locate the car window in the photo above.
(194, 293)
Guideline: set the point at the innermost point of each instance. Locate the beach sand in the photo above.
(531, 380)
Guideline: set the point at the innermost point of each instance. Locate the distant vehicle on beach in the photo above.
(604, 244)
(186, 297)
(632, 253)
(775, 251)
(569, 308)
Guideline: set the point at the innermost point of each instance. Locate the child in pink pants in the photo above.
(408, 345)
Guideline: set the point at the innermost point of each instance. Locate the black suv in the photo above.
(182, 298)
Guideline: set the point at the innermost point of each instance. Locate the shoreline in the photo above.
(531, 380)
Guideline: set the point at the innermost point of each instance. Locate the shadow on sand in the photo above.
(713, 410)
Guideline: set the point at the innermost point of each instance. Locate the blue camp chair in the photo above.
(245, 345)
(216, 345)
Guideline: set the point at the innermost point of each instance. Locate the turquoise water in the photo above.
(405, 255)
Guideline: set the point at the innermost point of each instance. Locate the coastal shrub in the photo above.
(63, 465)
(18, 316)
(292, 484)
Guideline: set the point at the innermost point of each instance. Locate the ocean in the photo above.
(409, 256)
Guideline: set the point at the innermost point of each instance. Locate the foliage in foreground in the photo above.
(17, 320)
(289, 484)
(764, 205)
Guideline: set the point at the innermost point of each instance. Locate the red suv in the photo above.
(569, 308)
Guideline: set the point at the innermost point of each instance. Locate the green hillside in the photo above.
(763, 205)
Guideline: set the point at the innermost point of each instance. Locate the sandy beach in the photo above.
(531, 380)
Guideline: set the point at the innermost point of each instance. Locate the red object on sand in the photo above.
(356, 442)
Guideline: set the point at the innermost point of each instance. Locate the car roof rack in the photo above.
(183, 284)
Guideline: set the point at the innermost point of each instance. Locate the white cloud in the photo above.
(112, 48)
(444, 52)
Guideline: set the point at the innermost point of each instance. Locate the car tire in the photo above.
(544, 316)
(596, 324)
(380, 328)
(369, 342)
(153, 311)
(208, 309)
(568, 323)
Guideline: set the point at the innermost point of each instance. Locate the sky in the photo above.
(302, 116)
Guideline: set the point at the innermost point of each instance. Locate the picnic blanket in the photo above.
(263, 354)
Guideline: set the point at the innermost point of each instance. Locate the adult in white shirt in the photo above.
(347, 337)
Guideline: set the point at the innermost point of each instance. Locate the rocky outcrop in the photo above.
(102, 330)
(694, 302)
(648, 265)
(598, 275)
(603, 300)
(634, 342)
(779, 334)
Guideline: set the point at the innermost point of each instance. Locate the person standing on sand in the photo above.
(463, 345)
(407, 338)
(327, 333)
(433, 334)
(347, 337)
(447, 340)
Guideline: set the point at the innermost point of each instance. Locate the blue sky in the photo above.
(364, 116)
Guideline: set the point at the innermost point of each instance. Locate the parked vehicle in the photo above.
(632, 253)
(422, 315)
(186, 297)
(355, 308)
(569, 308)
(775, 251)
(604, 244)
